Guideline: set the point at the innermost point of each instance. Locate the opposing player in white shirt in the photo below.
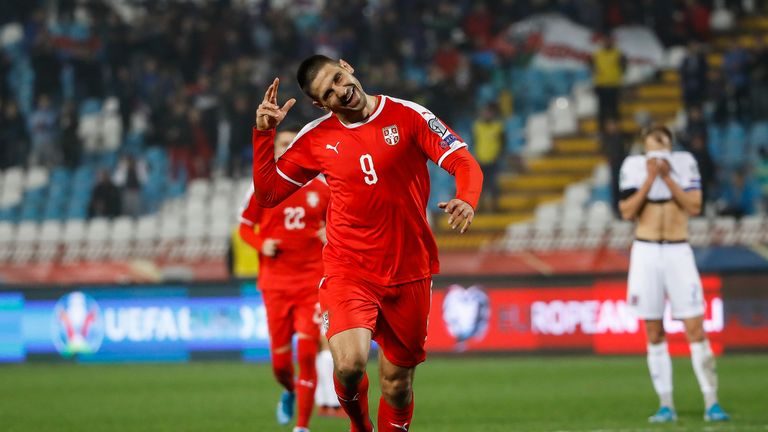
(661, 190)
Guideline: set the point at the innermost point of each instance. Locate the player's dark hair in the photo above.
(308, 70)
(656, 130)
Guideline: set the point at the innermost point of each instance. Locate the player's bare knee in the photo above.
(397, 390)
(350, 369)
(655, 332)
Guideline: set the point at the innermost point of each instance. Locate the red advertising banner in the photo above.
(592, 318)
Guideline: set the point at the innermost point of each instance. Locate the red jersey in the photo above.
(295, 223)
(377, 173)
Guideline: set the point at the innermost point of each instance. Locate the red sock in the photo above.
(305, 386)
(282, 366)
(393, 419)
(354, 401)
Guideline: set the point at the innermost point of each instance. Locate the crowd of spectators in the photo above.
(185, 76)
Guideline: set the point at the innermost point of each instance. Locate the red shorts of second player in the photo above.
(290, 312)
(396, 315)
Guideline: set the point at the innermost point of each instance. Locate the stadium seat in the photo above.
(724, 228)
(751, 230)
(218, 238)
(193, 238)
(50, 239)
(199, 188)
(121, 237)
(538, 138)
(36, 177)
(585, 100)
(7, 236)
(97, 239)
(562, 117)
(25, 241)
(576, 194)
(518, 237)
(146, 236)
(169, 235)
(621, 234)
(545, 226)
(74, 234)
(699, 232)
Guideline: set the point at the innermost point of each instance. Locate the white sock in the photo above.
(660, 367)
(325, 394)
(703, 361)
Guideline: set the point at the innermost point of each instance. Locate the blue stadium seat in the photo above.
(9, 214)
(758, 135)
(514, 129)
(735, 150)
(716, 139)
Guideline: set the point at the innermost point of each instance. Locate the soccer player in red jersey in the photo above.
(290, 239)
(381, 254)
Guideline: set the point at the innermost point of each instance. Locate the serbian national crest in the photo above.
(391, 135)
(313, 198)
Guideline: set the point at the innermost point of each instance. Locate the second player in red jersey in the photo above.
(373, 151)
(290, 239)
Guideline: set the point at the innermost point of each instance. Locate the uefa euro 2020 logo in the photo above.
(466, 313)
(77, 325)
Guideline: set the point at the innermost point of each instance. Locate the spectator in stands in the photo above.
(14, 139)
(130, 176)
(488, 140)
(740, 196)
(43, 129)
(761, 172)
(614, 148)
(697, 146)
(177, 137)
(241, 123)
(200, 159)
(111, 126)
(718, 95)
(105, 199)
(608, 65)
(736, 72)
(759, 79)
(694, 72)
(697, 14)
(71, 147)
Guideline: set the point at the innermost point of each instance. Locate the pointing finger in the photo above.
(288, 105)
(274, 92)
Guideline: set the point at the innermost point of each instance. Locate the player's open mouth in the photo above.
(348, 96)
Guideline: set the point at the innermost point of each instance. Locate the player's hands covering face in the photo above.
(461, 213)
(269, 114)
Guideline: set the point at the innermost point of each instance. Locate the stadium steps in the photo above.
(488, 223)
(576, 146)
(560, 164)
(525, 202)
(470, 240)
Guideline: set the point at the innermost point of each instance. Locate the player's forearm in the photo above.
(690, 203)
(631, 206)
(469, 176)
(269, 188)
(249, 236)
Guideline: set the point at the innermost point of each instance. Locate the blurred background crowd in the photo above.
(126, 102)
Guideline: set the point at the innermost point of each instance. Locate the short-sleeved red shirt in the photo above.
(295, 224)
(377, 172)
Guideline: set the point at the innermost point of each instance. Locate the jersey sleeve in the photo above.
(628, 178)
(250, 211)
(690, 177)
(436, 140)
(297, 165)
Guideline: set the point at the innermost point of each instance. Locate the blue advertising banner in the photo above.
(133, 324)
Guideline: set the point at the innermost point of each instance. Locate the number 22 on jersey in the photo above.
(294, 218)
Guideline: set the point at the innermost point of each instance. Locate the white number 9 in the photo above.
(366, 164)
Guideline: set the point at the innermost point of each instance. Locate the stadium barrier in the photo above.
(183, 322)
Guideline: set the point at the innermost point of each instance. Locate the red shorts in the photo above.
(291, 312)
(396, 315)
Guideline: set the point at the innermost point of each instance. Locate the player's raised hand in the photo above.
(460, 211)
(269, 114)
(652, 166)
(269, 247)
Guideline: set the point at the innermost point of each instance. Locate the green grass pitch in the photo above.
(452, 394)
